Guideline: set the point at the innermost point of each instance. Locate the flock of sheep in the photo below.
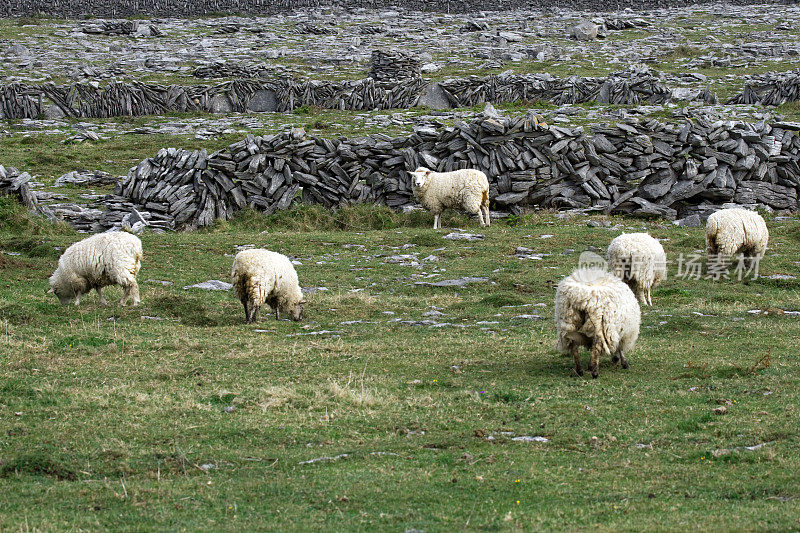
(594, 308)
(599, 310)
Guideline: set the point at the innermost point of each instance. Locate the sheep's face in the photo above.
(64, 294)
(419, 177)
(296, 311)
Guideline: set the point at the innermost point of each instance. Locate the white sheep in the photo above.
(639, 260)
(596, 310)
(730, 232)
(466, 189)
(98, 261)
(261, 276)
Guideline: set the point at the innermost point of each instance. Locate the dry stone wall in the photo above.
(125, 99)
(770, 89)
(15, 183)
(90, 100)
(394, 84)
(647, 169)
(184, 8)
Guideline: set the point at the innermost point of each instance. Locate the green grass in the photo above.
(49, 158)
(110, 420)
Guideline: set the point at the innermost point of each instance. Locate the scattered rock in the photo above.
(585, 31)
(526, 438)
(462, 236)
(692, 221)
(18, 50)
(460, 282)
(527, 317)
(211, 285)
(325, 459)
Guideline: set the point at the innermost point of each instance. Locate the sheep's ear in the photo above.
(302, 302)
(413, 173)
(50, 290)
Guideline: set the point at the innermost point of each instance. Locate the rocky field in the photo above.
(195, 82)
(422, 390)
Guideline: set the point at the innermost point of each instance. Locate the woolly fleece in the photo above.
(639, 260)
(466, 189)
(596, 310)
(261, 276)
(104, 259)
(730, 232)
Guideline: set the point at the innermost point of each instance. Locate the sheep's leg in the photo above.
(711, 246)
(649, 296)
(750, 259)
(486, 216)
(103, 301)
(641, 295)
(594, 361)
(624, 361)
(78, 298)
(475, 207)
(246, 311)
(481, 221)
(437, 221)
(253, 314)
(577, 357)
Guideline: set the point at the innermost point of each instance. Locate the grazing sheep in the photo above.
(466, 189)
(639, 260)
(261, 276)
(730, 232)
(95, 262)
(595, 309)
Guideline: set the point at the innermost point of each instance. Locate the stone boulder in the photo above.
(434, 97)
(263, 101)
(585, 31)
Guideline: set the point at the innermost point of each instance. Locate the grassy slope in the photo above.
(107, 423)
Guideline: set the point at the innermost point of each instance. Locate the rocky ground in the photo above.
(686, 42)
(715, 48)
(711, 47)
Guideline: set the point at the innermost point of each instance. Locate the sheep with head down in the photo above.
(596, 310)
(112, 258)
(465, 189)
(730, 232)
(639, 260)
(262, 276)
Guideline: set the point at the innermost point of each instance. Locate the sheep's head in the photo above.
(296, 310)
(420, 176)
(63, 291)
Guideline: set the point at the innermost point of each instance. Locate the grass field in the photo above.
(177, 416)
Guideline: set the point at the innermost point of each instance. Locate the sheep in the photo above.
(466, 189)
(639, 260)
(261, 276)
(596, 310)
(730, 232)
(98, 261)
